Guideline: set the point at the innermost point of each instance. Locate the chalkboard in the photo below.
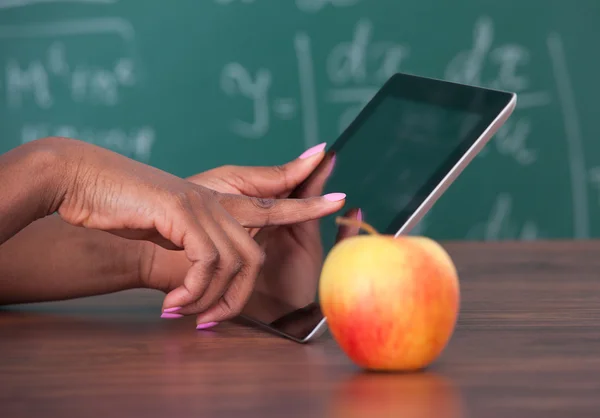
(188, 85)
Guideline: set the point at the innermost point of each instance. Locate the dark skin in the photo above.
(120, 224)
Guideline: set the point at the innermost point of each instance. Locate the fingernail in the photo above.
(171, 315)
(312, 151)
(175, 309)
(206, 325)
(359, 215)
(335, 197)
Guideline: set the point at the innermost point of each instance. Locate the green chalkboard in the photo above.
(187, 85)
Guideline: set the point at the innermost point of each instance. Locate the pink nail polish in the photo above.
(170, 310)
(359, 215)
(335, 197)
(206, 325)
(171, 315)
(312, 151)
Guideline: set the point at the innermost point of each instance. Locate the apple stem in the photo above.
(359, 224)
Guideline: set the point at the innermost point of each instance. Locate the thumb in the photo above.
(270, 181)
(255, 212)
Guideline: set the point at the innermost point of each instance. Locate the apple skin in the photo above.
(391, 303)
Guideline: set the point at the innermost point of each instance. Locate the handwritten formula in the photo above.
(43, 71)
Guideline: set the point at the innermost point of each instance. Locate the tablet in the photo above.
(394, 161)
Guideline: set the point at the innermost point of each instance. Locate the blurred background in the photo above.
(188, 85)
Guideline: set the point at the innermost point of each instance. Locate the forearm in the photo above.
(52, 260)
(43, 257)
(33, 178)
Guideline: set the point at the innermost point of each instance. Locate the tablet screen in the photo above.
(402, 145)
(390, 158)
(388, 161)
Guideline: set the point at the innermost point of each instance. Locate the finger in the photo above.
(200, 250)
(260, 212)
(267, 181)
(234, 258)
(346, 231)
(145, 235)
(315, 184)
(237, 295)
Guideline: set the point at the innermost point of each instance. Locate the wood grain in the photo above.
(527, 345)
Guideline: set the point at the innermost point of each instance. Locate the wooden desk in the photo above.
(527, 345)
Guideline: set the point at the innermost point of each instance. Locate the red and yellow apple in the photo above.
(391, 303)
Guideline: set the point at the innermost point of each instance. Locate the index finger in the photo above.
(253, 212)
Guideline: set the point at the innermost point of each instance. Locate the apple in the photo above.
(391, 303)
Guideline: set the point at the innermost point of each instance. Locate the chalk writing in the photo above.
(235, 80)
(39, 79)
(9, 4)
(355, 69)
(507, 63)
(48, 75)
(135, 143)
(576, 158)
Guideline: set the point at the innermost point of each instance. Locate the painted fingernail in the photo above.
(312, 151)
(206, 325)
(335, 197)
(359, 215)
(170, 315)
(175, 309)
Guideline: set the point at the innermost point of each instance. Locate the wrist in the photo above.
(33, 178)
(55, 160)
(146, 252)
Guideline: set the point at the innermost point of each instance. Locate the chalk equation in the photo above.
(135, 143)
(38, 80)
(52, 74)
(353, 69)
(508, 63)
(10, 4)
(357, 67)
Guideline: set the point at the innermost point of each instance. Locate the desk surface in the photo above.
(527, 344)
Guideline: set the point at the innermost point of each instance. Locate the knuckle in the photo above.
(258, 257)
(236, 264)
(263, 203)
(279, 170)
(226, 168)
(212, 192)
(181, 200)
(232, 304)
(281, 173)
(212, 257)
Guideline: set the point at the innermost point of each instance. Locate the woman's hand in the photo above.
(106, 191)
(293, 252)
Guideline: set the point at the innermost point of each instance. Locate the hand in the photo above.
(107, 191)
(293, 253)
